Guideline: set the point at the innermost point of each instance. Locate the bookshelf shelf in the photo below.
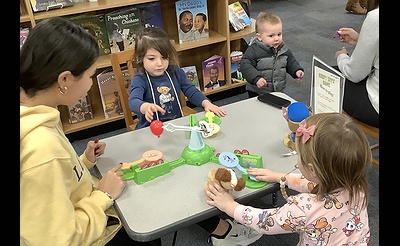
(221, 41)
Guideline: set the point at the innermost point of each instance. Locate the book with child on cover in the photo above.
(197, 27)
(122, 26)
(81, 111)
(191, 74)
(108, 88)
(95, 25)
(213, 70)
(238, 16)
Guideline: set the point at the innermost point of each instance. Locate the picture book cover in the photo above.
(45, 5)
(81, 111)
(213, 72)
(150, 14)
(108, 88)
(238, 16)
(192, 20)
(191, 74)
(23, 34)
(236, 75)
(122, 26)
(95, 25)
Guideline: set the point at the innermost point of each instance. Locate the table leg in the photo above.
(174, 239)
(274, 200)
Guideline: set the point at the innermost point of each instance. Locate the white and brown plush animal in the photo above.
(226, 178)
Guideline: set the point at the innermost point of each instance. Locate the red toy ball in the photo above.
(156, 127)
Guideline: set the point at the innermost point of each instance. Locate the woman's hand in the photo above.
(113, 182)
(342, 51)
(94, 149)
(348, 35)
(210, 107)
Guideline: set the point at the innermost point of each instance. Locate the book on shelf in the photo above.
(236, 75)
(95, 25)
(191, 74)
(45, 5)
(108, 88)
(122, 26)
(23, 34)
(238, 17)
(81, 111)
(150, 14)
(192, 20)
(213, 70)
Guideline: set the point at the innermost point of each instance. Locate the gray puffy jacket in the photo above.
(260, 60)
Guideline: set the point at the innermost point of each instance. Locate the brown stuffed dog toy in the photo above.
(226, 178)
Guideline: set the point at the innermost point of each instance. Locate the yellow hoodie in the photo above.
(59, 204)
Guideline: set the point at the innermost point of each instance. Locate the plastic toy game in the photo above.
(152, 165)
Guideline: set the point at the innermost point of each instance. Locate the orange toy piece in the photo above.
(226, 178)
(150, 156)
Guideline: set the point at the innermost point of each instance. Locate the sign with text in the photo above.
(327, 88)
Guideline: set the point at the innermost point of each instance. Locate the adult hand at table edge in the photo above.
(113, 182)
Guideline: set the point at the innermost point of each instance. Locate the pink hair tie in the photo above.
(304, 131)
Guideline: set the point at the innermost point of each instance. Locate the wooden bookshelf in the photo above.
(221, 41)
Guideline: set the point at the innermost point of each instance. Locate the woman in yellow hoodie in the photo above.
(61, 203)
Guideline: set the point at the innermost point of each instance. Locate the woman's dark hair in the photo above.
(53, 46)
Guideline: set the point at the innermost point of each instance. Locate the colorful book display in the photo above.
(192, 20)
(213, 72)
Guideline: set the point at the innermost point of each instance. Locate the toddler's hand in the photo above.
(261, 83)
(210, 107)
(265, 174)
(300, 75)
(151, 108)
(219, 197)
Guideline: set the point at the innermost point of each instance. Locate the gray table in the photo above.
(175, 200)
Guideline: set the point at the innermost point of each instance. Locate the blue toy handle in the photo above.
(229, 160)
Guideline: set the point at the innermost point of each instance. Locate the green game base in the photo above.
(197, 157)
